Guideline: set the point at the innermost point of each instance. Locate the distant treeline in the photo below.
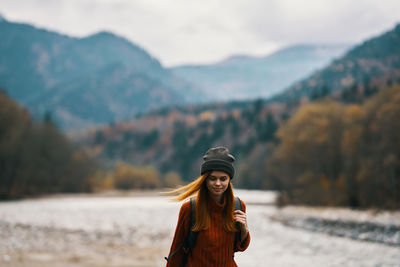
(125, 176)
(335, 154)
(343, 152)
(36, 158)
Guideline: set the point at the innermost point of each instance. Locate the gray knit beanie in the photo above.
(218, 159)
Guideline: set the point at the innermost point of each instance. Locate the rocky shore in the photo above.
(373, 226)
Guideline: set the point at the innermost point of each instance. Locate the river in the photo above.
(35, 232)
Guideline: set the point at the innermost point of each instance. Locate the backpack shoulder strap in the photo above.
(238, 206)
(190, 241)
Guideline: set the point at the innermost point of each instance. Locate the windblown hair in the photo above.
(199, 187)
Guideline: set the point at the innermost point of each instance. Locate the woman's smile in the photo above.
(217, 183)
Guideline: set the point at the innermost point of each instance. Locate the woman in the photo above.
(216, 221)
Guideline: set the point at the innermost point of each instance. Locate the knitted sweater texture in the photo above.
(214, 246)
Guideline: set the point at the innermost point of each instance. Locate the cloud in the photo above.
(184, 31)
(287, 21)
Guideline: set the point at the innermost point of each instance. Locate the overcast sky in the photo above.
(206, 31)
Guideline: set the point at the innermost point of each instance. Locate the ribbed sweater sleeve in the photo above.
(181, 232)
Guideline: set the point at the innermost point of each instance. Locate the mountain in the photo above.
(84, 81)
(244, 77)
(173, 138)
(364, 68)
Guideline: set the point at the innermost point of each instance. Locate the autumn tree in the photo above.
(172, 179)
(36, 158)
(379, 174)
(335, 154)
(310, 149)
(14, 125)
(128, 177)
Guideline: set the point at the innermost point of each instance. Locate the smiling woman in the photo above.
(216, 219)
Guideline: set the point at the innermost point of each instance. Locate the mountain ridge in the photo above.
(377, 58)
(247, 77)
(36, 63)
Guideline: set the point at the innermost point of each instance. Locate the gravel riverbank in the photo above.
(137, 229)
(386, 234)
(29, 245)
(365, 225)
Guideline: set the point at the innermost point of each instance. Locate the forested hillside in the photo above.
(374, 63)
(36, 158)
(174, 141)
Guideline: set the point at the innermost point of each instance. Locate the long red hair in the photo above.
(199, 188)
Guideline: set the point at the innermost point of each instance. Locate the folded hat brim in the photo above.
(218, 165)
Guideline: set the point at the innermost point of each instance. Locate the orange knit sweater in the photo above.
(214, 246)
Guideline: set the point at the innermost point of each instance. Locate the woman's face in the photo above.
(217, 183)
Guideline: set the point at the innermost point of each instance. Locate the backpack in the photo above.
(188, 244)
